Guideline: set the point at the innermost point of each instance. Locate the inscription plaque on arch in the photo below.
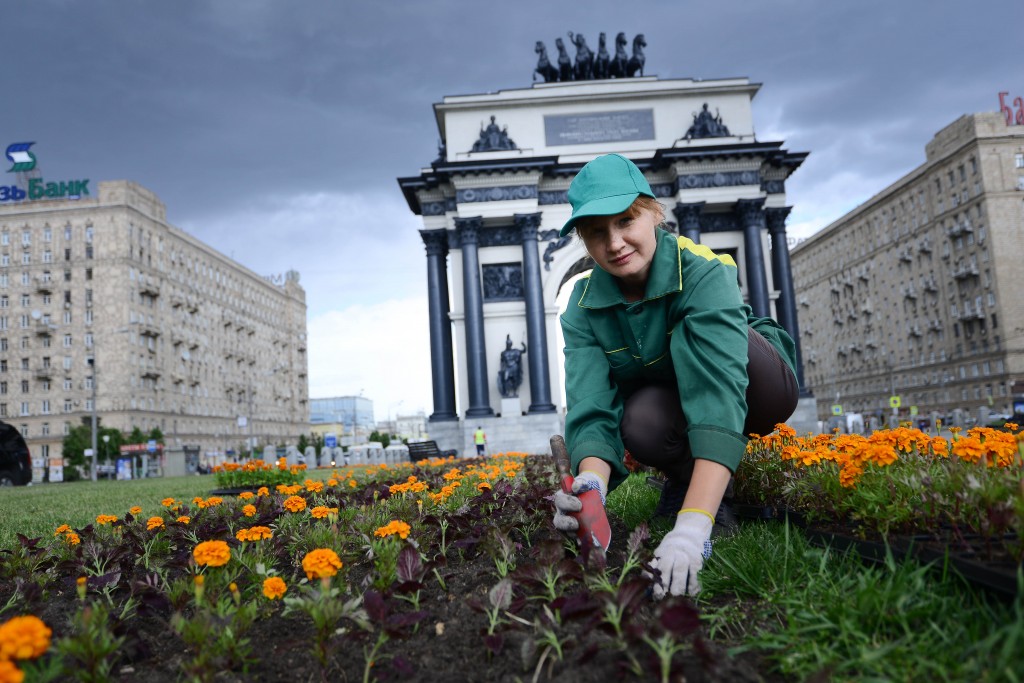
(597, 127)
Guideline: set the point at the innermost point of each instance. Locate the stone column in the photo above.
(688, 217)
(783, 274)
(751, 212)
(442, 367)
(536, 333)
(476, 347)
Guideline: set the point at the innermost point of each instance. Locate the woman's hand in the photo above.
(567, 504)
(681, 554)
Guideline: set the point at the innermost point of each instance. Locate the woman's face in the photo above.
(623, 245)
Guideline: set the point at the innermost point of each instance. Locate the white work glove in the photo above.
(681, 555)
(567, 504)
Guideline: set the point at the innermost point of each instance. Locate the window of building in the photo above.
(26, 237)
(47, 256)
(67, 254)
(1018, 160)
(26, 299)
(67, 405)
(46, 427)
(47, 234)
(88, 273)
(45, 406)
(67, 341)
(88, 251)
(88, 339)
(88, 233)
(26, 278)
(67, 362)
(4, 301)
(5, 238)
(3, 387)
(68, 384)
(67, 233)
(5, 259)
(24, 411)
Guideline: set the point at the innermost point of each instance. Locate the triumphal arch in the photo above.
(494, 199)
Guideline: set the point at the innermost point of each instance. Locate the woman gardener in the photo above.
(663, 359)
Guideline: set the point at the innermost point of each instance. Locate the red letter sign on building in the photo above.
(1012, 117)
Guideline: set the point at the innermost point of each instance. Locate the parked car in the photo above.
(15, 460)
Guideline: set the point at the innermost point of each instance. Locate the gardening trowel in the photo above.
(592, 518)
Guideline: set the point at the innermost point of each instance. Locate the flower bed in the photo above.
(256, 473)
(449, 570)
(963, 495)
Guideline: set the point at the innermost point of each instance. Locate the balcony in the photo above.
(43, 373)
(925, 247)
(915, 331)
(963, 272)
(906, 256)
(43, 285)
(959, 229)
(930, 285)
(148, 330)
(910, 292)
(45, 328)
(151, 373)
(149, 287)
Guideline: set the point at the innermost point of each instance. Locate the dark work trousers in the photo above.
(654, 427)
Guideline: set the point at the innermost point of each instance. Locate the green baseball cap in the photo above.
(604, 187)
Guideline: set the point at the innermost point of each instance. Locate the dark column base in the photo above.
(536, 408)
(443, 417)
(480, 412)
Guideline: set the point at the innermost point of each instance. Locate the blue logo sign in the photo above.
(22, 159)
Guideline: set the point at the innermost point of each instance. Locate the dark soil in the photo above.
(447, 639)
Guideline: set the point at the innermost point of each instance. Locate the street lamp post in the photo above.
(92, 366)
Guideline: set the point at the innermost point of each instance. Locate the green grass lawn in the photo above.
(38, 510)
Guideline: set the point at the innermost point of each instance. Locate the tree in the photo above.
(136, 436)
(384, 439)
(156, 435)
(303, 443)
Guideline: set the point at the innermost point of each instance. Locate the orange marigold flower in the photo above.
(849, 475)
(62, 529)
(184, 519)
(274, 587)
(24, 638)
(322, 511)
(397, 527)
(135, 509)
(103, 520)
(352, 483)
(321, 563)
(968, 449)
(483, 486)
(332, 482)
(295, 504)
(10, 673)
(167, 502)
(214, 501)
(1012, 426)
(289, 489)
(249, 510)
(263, 491)
(212, 553)
(246, 495)
(314, 486)
(71, 538)
(154, 523)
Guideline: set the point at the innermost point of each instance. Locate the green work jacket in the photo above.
(690, 329)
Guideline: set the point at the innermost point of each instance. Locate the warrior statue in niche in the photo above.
(510, 376)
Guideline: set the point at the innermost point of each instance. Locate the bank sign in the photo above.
(24, 160)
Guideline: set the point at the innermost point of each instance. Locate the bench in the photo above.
(421, 450)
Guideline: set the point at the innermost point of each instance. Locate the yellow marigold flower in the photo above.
(103, 520)
(295, 504)
(263, 491)
(184, 519)
(71, 538)
(397, 527)
(212, 553)
(332, 482)
(246, 495)
(10, 673)
(321, 563)
(314, 486)
(249, 510)
(274, 587)
(352, 483)
(24, 638)
(167, 502)
(154, 523)
(62, 529)
(321, 511)
(135, 509)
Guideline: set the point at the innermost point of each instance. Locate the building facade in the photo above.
(917, 292)
(350, 418)
(493, 201)
(106, 307)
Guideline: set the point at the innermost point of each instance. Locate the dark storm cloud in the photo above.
(217, 106)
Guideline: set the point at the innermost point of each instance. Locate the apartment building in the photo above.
(917, 292)
(105, 306)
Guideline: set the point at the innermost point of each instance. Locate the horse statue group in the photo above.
(588, 65)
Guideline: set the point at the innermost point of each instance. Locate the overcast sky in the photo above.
(274, 131)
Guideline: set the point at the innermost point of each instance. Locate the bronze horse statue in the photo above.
(584, 67)
(602, 63)
(544, 67)
(617, 68)
(564, 63)
(636, 62)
